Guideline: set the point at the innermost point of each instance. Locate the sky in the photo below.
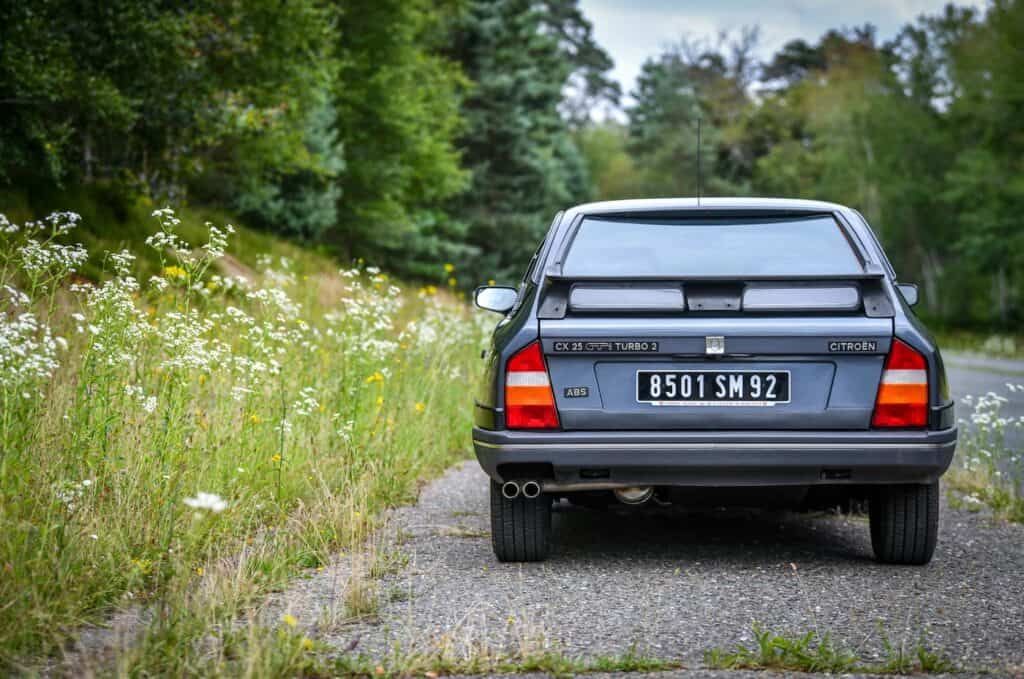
(633, 30)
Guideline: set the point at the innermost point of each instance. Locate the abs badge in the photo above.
(714, 345)
(577, 392)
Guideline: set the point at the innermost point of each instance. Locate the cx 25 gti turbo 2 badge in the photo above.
(605, 346)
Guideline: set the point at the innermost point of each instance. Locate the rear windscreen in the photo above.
(804, 246)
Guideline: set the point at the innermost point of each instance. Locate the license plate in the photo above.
(712, 387)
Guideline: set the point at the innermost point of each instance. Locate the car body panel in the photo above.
(830, 390)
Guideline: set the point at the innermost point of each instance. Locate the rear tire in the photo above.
(905, 522)
(520, 528)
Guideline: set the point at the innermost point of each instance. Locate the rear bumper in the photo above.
(597, 459)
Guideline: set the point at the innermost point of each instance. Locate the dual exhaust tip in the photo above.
(510, 490)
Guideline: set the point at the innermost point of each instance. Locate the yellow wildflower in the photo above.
(452, 282)
(276, 458)
(420, 407)
(449, 267)
(307, 644)
(289, 620)
(431, 290)
(380, 400)
(175, 272)
(199, 571)
(255, 419)
(490, 281)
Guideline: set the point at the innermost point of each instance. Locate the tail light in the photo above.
(529, 401)
(903, 392)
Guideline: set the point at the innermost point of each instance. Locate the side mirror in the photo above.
(495, 298)
(909, 292)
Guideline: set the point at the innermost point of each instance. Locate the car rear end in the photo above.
(685, 354)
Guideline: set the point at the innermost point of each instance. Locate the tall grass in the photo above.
(186, 442)
(989, 471)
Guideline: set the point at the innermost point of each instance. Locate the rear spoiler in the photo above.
(662, 295)
(869, 274)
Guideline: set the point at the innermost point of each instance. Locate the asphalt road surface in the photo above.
(676, 583)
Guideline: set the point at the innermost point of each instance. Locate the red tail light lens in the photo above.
(903, 392)
(529, 401)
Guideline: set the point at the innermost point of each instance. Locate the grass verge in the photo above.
(988, 472)
(812, 652)
(485, 661)
(193, 429)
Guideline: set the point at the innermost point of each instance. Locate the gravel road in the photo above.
(677, 583)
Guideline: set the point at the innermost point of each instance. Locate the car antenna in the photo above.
(700, 169)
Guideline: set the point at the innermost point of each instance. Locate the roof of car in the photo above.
(670, 204)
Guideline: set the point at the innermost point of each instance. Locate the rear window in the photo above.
(805, 246)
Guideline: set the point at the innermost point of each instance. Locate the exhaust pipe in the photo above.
(510, 490)
(531, 489)
(634, 496)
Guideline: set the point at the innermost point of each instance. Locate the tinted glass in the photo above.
(806, 246)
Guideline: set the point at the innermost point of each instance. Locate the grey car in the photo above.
(758, 352)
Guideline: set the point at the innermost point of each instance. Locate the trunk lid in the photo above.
(833, 364)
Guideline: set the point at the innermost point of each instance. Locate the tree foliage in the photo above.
(416, 133)
(922, 134)
(521, 56)
(398, 113)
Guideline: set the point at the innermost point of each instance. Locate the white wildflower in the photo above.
(238, 393)
(207, 501)
(28, 352)
(18, 298)
(307, 402)
(122, 261)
